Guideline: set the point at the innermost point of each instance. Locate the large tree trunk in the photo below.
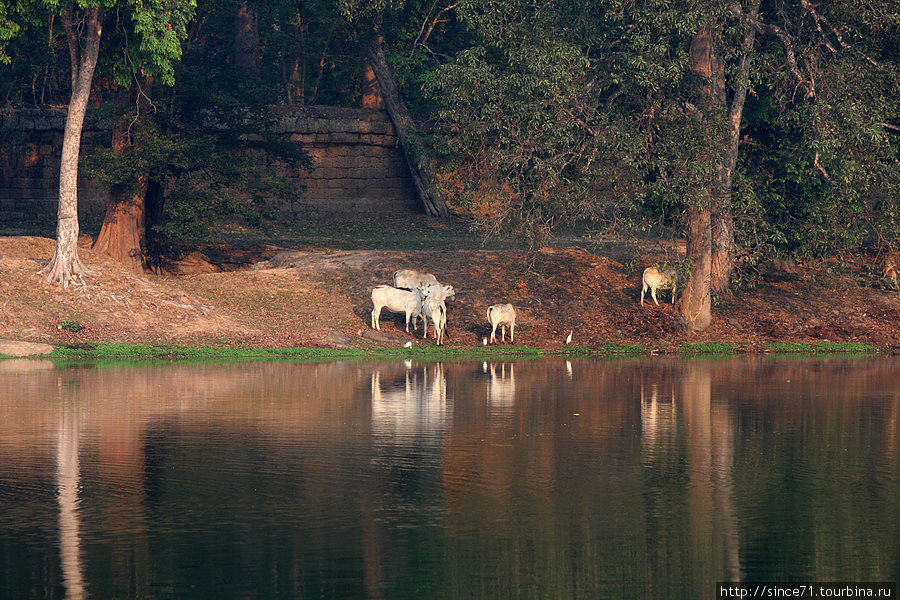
(246, 40)
(722, 224)
(413, 147)
(696, 300)
(65, 266)
(123, 231)
(722, 217)
(707, 63)
(122, 235)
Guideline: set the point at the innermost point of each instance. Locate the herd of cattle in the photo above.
(420, 296)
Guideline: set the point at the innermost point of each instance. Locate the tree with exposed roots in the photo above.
(65, 266)
(159, 27)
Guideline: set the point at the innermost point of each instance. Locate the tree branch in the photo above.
(578, 119)
(819, 19)
(74, 50)
(790, 57)
(424, 34)
(819, 166)
(736, 109)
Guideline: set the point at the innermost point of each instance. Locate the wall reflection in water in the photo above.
(555, 478)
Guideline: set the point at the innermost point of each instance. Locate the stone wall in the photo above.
(357, 163)
(30, 146)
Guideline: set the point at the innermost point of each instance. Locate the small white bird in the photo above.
(569, 339)
(484, 341)
(407, 345)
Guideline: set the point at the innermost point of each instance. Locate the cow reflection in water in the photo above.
(659, 423)
(501, 390)
(411, 403)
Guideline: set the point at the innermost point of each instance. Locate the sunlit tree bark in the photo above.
(65, 266)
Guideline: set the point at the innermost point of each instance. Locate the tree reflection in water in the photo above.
(393, 479)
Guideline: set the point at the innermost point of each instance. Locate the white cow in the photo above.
(411, 279)
(438, 291)
(654, 279)
(436, 310)
(502, 315)
(395, 300)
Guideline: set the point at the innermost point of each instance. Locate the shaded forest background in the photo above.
(755, 129)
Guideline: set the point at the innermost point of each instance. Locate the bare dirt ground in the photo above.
(554, 291)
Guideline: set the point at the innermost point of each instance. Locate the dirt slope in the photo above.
(565, 288)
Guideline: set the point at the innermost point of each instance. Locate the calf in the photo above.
(436, 310)
(502, 315)
(438, 291)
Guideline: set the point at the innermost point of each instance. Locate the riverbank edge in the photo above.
(107, 350)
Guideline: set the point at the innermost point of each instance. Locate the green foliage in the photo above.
(820, 347)
(8, 29)
(557, 111)
(630, 349)
(708, 348)
(140, 38)
(207, 140)
(160, 26)
(70, 324)
(527, 143)
(547, 113)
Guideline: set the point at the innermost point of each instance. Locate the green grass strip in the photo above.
(821, 347)
(708, 348)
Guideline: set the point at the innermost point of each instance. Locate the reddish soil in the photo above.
(554, 291)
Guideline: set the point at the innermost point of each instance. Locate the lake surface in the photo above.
(649, 478)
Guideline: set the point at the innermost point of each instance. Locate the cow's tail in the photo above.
(490, 308)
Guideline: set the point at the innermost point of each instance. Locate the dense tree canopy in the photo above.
(756, 127)
(560, 110)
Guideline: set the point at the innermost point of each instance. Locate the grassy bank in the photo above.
(707, 348)
(104, 350)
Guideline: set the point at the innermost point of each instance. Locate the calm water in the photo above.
(544, 479)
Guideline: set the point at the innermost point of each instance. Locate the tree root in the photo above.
(66, 272)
